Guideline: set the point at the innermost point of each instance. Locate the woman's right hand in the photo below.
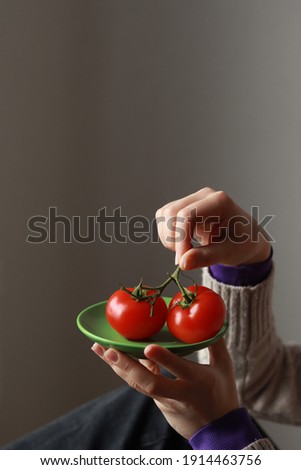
(226, 233)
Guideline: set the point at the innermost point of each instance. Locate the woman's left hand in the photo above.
(197, 395)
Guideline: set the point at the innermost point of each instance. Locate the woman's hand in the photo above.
(196, 396)
(227, 234)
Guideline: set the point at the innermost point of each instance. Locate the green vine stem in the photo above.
(188, 296)
(142, 292)
(171, 277)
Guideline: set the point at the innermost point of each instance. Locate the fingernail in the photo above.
(111, 355)
(188, 263)
(176, 258)
(97, 349)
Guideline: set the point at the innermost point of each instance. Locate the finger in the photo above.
(174, 206)
(201, 215)
(203, 256)
(167, 216)
(98, 350)
(150, 365)
(178, 366)
(137, 376)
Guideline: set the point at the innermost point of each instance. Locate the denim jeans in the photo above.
(122, 419)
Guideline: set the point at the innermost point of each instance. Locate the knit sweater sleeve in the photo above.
(268, 372)
(261, 444)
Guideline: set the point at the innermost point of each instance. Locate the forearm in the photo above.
(268, 373)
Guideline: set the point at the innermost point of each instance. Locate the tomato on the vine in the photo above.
(200, 320)
(135, 319)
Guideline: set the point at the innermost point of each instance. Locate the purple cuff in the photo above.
(244, 274)
(233, 431)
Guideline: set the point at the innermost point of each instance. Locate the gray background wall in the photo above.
(132, 104)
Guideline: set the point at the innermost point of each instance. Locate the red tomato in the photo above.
(132, 318)
(201, 320)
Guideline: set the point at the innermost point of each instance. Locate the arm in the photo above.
(268, 372)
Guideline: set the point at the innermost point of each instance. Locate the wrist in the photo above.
(262, 254)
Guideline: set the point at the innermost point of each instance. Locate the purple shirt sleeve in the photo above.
(242, 275)
(233, 431)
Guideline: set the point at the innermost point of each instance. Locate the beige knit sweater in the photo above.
(268, 372)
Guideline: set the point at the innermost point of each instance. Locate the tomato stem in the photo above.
(138, 292)
(141, 291)
(162, 286)
(188, 296)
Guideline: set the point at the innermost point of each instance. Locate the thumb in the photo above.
(219, 354)
(202, 256)
(176, 365)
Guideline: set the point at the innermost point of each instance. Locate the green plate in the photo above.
(92, 323)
